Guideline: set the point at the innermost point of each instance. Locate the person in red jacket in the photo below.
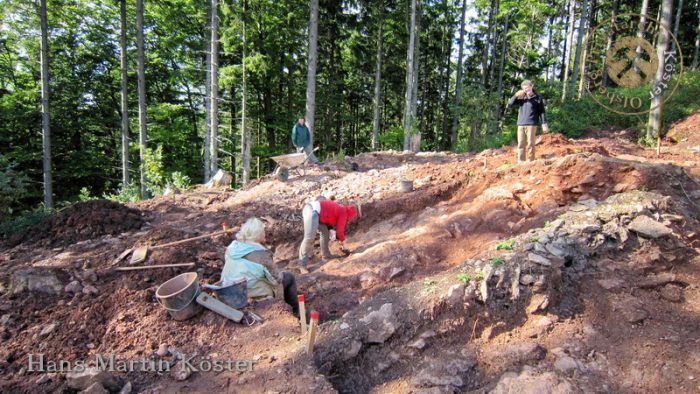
(319, 216)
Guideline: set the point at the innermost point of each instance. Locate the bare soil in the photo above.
(406, 250)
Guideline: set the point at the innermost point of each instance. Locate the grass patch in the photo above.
(496, 262)
(479, 275)
(505, 245)
(464, 277)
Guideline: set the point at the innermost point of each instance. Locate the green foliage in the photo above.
(505, 244)
(13, 186)
(392, 138)
(128, 193)
(496, 262)
(26, 219)
(180, 180)
(154, 170)
(479, 275)
(464, 277)
(85, 195)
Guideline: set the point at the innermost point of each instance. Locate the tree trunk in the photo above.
(487, 45)
(611, 38)
(640, 31)
(245, 133)
(378, 78)
(579, 44)
(584, 57)
(141, 84)
(696, 52)
(676, 24)
(311, 70)
(207, 97)
(499, 91)
(45, 120)
(458, 84)
(214, 103)
(550, 30)
(657, 101)
(125, 97)
(569, 47)
(409, 114)
(494, 40)
(416, 135)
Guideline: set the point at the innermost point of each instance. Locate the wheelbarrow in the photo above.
(292, 161)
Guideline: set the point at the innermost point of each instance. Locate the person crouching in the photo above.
(318, 216)
(247, 257)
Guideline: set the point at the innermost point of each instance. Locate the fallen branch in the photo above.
(145, 267)
(660, 280)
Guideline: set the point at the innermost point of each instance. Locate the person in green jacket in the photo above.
(301, 138)
(247, 257)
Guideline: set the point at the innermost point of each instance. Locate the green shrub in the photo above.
(13, 186)
(505, 245)
(496, 262)
(128, 193)
(180, 180)
(26, 219)
(464, 277)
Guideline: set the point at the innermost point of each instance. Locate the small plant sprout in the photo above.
(479, 275)
(505, 245)
(496, 262)
(429, 282)
(464, 277)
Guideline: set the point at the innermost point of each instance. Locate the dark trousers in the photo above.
(290, 291)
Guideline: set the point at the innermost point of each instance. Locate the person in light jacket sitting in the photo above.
(247, 257)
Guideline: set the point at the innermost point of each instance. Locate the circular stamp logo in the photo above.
(624, 71)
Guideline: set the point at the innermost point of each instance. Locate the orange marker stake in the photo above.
(313, 327)
(225, 226)
(302, 313)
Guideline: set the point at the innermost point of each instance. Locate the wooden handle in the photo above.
(190, 239)
(146, 267)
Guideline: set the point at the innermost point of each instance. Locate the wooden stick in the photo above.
(313, 327)
(191, 239)
(302, 313)
(146, 267)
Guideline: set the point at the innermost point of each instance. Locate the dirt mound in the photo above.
(686, 130)
(80, 222)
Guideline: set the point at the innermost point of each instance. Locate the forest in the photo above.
(122, 99)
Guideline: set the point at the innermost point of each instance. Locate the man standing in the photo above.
(301, 138)
(530, 115)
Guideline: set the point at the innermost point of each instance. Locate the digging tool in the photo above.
(146, 267)
(313, 328)
(219, 307)
(141, 252)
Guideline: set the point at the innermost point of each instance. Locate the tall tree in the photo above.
(125, 96)
(569, 47)
(611, 38)
(696, 50)
(45, 121)
(207, 96)
(245, 132)
(378, 77)
(657, 101)
(409, 118)
(579, 44)
(458, 82)
(676, 24)
(141, 82)
(311, 69)
(214, 102)
(584, 63)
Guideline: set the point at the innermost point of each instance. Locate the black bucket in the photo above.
(234, 295)
(178, 296)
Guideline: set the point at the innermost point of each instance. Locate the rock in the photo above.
(95, 388)
(455, 294)
(162, 350)
(73, 287)
(181, 372)
(496, 193)
(428, 334)
(610, 284)
(537, 259)
(520, 353)
(83, 380)
(417, 344)
(395, 272)
(44, 377)
(367, 279)
(353, 351)
(648, 227)
(447, 371)
(555, 250)
(126, 389)
(46, 280)
(470, 292)
(90, 290)
(672, 293)
(5, 319)
(382, 324)
(566, 364)
(527, 279)
(530, 382)
(634, 314)
(344, 326)
(48, 329)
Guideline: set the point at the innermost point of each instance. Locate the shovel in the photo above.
(141, 252)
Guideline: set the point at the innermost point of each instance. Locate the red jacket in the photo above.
(336, 215)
